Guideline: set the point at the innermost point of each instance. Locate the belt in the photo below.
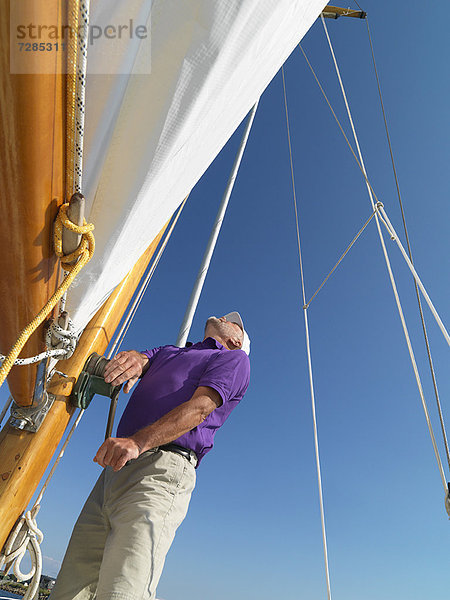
(188, 454)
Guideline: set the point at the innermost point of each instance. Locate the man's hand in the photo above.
(127, 366)
(116, 452)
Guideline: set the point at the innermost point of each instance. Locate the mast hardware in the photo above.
(70, 239)
(30, 418)
(334, 12)
(91, 382)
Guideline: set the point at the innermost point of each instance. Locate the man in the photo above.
(120, 541)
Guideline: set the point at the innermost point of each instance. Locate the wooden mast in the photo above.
(32, 127)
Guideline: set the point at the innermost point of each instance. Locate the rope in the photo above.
(308, 348)
(83, 255)
(78, 16)
(76, 86)
(67, 339)
(25, 536)
(388, 265)
(21, 362)
(87, 242)
(419, 303)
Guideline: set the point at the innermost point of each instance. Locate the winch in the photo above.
(91, 382)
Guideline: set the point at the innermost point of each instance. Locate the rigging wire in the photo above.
(342, 257)
(385, 220)
(360, 166)
(338, 122)
(308, 349)
(419, 303)
(388, 265)
(5, 408)
(214, 235)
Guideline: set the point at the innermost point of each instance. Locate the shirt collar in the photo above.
(211, 343)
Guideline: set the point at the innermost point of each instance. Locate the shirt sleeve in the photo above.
(229, 374)
(150, 354)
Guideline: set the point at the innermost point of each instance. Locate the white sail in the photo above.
(149, 137)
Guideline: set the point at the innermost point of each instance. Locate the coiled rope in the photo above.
(25, 536)
(82, 256)
(66, 342)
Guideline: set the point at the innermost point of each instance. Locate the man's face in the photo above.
(223, 328)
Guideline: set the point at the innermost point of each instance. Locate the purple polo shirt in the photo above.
(172, 378)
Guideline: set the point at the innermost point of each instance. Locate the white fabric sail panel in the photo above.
(149, 138)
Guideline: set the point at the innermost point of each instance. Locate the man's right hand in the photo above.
(116, 452)
(127, 366)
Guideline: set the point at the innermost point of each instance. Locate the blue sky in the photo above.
(253, 529)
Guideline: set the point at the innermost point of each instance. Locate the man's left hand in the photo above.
(128, 366)
(116, 452)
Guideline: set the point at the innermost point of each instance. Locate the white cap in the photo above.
(235, 317)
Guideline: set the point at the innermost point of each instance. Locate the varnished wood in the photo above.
(335, 11)
(24, 455)
(32, 126)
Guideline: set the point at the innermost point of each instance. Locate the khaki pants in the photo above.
(120, 541)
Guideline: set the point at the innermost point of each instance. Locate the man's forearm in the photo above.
(171, 426)
(115, 452)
